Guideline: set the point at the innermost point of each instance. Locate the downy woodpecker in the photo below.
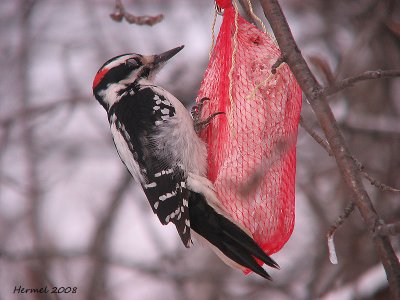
(156, 139)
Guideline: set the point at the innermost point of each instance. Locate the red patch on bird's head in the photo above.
(99, 76)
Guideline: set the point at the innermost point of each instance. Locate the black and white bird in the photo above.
(156, 139)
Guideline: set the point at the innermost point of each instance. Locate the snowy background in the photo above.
(71, 217)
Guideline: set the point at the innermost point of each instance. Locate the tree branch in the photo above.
(248, 11)
(340, 220)
(324, 144)
(368, 75)
(388, 229)
(279, 61)
(347, 167)
(383, 187)
(120, 13)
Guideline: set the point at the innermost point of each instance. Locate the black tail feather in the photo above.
(230, 239)
(245, 241)
(244, 258)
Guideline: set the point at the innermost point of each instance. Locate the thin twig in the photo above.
(340, 220)
(368, 75)
(388, 229)
(279, 61)
(315, 136)
(323, 67)
(331, 232)
(120, 13)
(383, 187)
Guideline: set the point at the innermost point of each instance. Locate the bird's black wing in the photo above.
(137, 115)
(231, 240)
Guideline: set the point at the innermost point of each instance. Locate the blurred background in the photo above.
(70, 216)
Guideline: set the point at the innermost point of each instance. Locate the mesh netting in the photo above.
(252, 148)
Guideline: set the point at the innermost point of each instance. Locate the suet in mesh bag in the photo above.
(252, 147)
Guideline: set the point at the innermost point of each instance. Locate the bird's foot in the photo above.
(199, 124)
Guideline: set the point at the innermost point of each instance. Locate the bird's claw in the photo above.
(199, 124)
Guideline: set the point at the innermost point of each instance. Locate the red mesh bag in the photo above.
(252, 148)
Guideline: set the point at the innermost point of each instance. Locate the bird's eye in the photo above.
(133, 63)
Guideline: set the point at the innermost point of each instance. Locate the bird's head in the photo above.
(126, 69)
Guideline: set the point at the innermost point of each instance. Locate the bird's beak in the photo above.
(163, 57)
(154, 63)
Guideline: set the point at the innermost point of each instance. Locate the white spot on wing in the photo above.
(166, 196)
(150, 185)
(156, 205)
(163, 172)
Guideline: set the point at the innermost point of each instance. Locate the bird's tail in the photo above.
(231, 243)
